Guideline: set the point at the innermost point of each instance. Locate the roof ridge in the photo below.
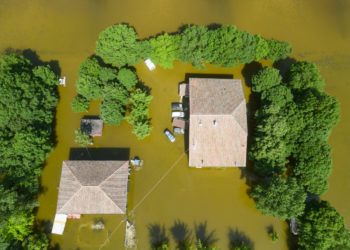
(70, 170)
(70, 198)
(109, 198)
(126, 162)
(233, 114)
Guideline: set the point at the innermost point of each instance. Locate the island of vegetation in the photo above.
(28, 99)
(291, 154)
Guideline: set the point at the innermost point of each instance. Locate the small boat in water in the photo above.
(170, 136)
(293, 224)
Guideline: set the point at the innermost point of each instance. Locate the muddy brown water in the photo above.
(66, 31)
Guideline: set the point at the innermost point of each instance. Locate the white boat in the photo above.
(62, 81)
(150, 65)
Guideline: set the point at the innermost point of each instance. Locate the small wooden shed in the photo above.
(92, 126)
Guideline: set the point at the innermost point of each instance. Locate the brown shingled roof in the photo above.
(93, 187)
(218, 123)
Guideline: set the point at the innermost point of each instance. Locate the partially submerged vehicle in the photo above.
(179, 130)
(175, 114)
(178, 106)
(293, 224)
(170, 136)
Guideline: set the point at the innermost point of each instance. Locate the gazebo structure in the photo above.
(218, 123)
(91, 187)
(92, 126)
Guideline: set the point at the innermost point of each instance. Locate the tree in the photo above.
(127, 78)
(312, 165)
(165, 50)
(280, 197)
(89, 84)
(266, 78)
(278, 50)
(118, 45)
(193, 44)
(261, 47)
(82, 138)
(138, 117)
(80, 104)
(304, 75)
(322, 227)
(112, 111)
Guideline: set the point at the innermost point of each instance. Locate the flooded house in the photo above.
(218, 123)
(91, 187)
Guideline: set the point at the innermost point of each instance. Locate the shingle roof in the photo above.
(93, 187)
(218, 123)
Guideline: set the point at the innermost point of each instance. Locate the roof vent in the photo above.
(200, 123)
(214, 122)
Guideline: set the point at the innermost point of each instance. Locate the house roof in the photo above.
(218, 123)
(92, 126)
(93, 187)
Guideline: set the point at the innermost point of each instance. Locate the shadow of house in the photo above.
(99, 154)
(157, 235)
(181, 234)
(236, 237)
(207, 238)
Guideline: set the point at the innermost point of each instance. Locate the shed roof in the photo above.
(93, 187)
(218, 123)
(92, 126)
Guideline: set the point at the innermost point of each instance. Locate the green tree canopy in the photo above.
(322, 227)
(127, 78)
(266, 78)
(165, 50)
(193, 44)
(138, 117)
(80, 104)
(303, 75)
(27, 107)
(280, 197)
(278, 50)
(112, 111)
(118, 45)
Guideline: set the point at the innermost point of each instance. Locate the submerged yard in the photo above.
(166, 198)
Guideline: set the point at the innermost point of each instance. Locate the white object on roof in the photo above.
(59, 224)
(63, 81)
(150, 65)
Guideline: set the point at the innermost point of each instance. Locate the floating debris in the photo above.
(130, 235)
(136, 163)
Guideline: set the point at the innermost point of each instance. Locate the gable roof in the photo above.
(93, 187)
(218, 123)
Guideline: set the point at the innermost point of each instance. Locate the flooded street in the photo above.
(166, 193)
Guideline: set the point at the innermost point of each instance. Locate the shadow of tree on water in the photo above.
(207, 238)
(236, 237)
(181, 234)
(157, 235)
(283, 66)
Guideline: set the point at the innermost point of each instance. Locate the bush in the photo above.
(165, 50)
(82, 138)
(80, 104)
(266, 78)
(278, 50)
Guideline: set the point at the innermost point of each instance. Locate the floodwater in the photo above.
(211, 202)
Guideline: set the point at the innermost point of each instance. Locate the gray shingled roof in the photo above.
(93, 187)
(218, 123)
